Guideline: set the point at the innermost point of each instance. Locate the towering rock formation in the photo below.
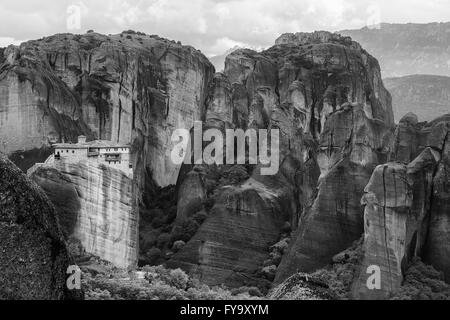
(406, 207)
(129, 88)
(33, 254)
(325, 95)
(387, 202)
(353, 139)
(437, 249)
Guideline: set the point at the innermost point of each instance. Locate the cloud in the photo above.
(210, 25)
(5, 41)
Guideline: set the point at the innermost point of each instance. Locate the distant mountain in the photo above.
(405, 49)
(427, 96)
(219, 61)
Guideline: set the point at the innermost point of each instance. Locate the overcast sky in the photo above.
(212, 26)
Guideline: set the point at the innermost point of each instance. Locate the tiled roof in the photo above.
(91, 144)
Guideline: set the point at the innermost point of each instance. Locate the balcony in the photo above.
(112, 157)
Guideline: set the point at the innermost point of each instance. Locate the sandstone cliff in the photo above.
(34, 258)
(129, 88)
(406, 207)
(94, 205)
(325, 94)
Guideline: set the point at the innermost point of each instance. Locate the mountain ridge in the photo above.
(405, 49)
(428, 96)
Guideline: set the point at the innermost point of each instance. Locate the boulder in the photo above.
(33, 254)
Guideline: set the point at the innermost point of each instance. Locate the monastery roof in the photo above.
(91, 144)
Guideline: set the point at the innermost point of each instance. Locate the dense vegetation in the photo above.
(155, 283)
(422, 282)
(340, 275)
(161, 236)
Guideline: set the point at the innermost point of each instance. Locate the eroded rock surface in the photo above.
(302, 287)
(232, 244)
(406, 205)
(351, 146)
(325, 95)
(128, 88)
(437, 248)
(94, 204)
(33, 254)
(387, 201)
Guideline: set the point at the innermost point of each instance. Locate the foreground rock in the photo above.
(302, 287)
(33, 254)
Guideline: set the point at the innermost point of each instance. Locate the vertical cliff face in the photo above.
(406, 204)
(129, 88)
(34, 258)
(387, 202)
(349, 73)
(352, 140)
(350, 148)
(325, 95)
(94, 204)
(437, 249)
(231, 245)
(37, 107)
